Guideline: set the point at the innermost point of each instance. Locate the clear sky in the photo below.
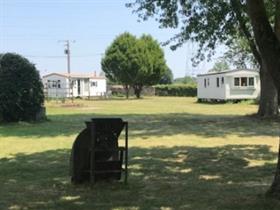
(33, 28)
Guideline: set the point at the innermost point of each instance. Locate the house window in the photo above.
(223, 80)
(218, 82)
(236, 81)
(58, 84)
(49, 84)
(208, 82)
(93, 84)
(54, 84)
(251, 81)
(244, 82)
(205, 84)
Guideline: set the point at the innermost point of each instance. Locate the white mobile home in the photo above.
(59, 85)
(228, 85)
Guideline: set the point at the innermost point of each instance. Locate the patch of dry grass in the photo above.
(183, 155)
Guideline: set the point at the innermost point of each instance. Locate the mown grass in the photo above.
(182, 155)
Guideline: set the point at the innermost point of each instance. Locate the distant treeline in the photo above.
(185, 80)
(176, 90)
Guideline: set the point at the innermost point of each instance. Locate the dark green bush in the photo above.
(21, 89)
(176, 90)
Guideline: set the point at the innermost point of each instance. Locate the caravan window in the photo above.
(244, 82)
(251, 81)
(236, 81)
(49, 83)
(54, 84)
(93, 84)
(58, 84)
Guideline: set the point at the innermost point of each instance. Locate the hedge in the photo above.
(21, 89)
(176, 90)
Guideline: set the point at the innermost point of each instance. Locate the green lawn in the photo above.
(182, 155)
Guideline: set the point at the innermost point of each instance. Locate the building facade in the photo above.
(57, 85)
(229, 85)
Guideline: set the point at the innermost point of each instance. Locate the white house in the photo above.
(228, 85)
(58, 85)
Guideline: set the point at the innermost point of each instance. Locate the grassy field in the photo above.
(182, 155)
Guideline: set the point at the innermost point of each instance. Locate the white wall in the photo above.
(89, 87)
(211, 91)
(100, 89)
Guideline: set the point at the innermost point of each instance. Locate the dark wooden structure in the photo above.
(96, 154)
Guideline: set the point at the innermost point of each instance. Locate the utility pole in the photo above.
(67, 52)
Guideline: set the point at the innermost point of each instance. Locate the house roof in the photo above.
(73, 75)
(229, 71)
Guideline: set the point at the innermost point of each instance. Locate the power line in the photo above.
(61, 4)
(62, 56)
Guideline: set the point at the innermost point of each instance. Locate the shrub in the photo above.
(21, 89)
(176, 90)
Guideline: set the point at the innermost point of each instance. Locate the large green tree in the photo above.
(241, 56)
(211, 22)
(268, 41)
(247, 42)
(134, 62)
(267, 35)
(120, 63)
(21, 89)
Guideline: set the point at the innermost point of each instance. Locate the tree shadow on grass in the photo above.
(146, 125)
(226, 177)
